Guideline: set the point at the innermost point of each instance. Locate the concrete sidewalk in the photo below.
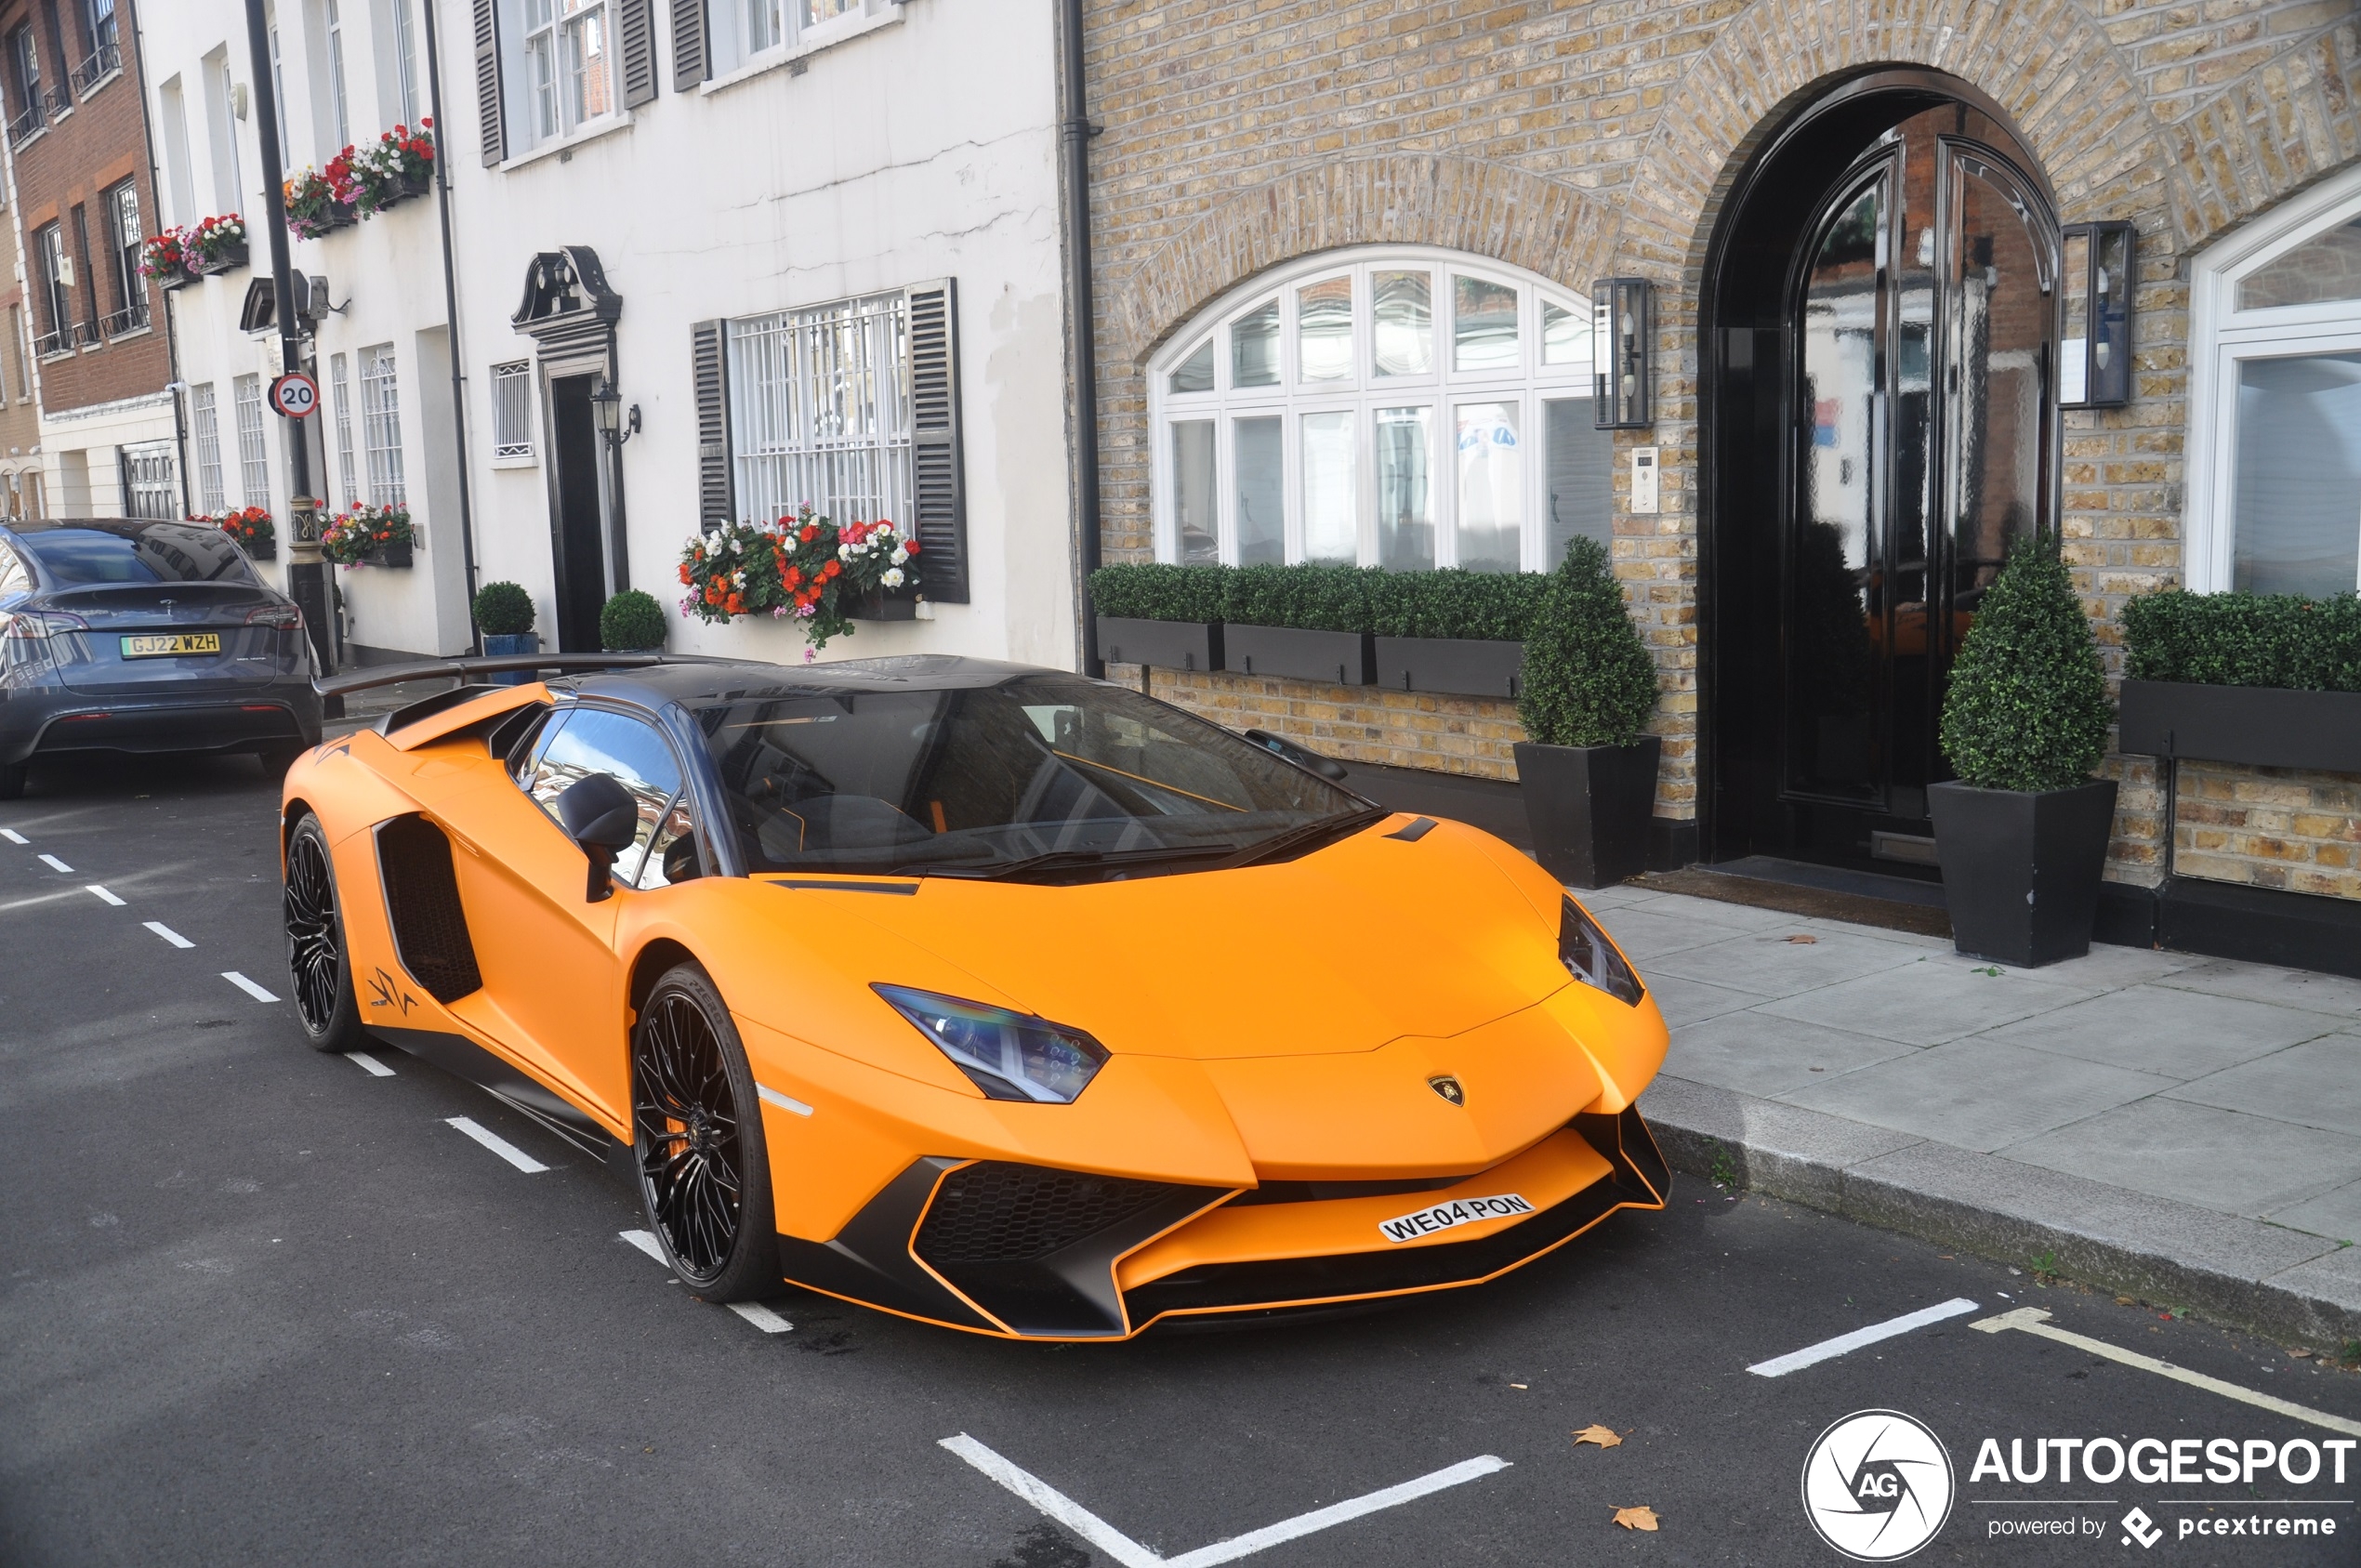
(2184, 1128)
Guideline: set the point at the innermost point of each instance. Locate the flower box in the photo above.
(398, 554)
(882, 604)
(1457, 666)
(228, 259)
(1346, 658)
(180, 277)
(2259, 726)
(262, 549)
(1191, 645)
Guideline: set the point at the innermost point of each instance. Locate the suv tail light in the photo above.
(286, 617)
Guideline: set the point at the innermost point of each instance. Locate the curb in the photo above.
(2265, 1279)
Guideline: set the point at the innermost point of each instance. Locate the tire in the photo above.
(697, 1143)
(318, 963)
(12, 781)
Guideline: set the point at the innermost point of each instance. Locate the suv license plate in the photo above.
(163, 645)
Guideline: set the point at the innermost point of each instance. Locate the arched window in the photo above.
(1399, 408)
(2275, 404)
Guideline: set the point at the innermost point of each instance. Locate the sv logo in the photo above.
(388, 993)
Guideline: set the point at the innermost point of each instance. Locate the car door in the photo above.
(551, 974)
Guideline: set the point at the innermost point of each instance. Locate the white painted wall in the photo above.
(923, 147)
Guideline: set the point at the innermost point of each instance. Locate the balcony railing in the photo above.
(104, 62)
(27, 126)
(131, 318)
(50, 344)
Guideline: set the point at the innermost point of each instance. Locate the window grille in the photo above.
(205, 425)
(820, 410)
(254, 459)
(340, 391)
(381, 426)
(149, 487)
(512, 409)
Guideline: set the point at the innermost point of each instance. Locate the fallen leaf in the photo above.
(2300, 1354)
(1800, 942)
(2125, 1301)
(1636, 1518)
(1517, 1385)
(1604, 1436)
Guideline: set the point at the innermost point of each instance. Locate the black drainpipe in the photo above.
(1075, 131)
(451, 310)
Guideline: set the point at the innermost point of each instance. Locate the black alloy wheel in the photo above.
(316, 960)
(697, 1140)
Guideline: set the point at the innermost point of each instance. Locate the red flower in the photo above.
(811, 532)
(912, 544)
(684, 573)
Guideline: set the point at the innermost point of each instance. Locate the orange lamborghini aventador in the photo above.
(991, 996)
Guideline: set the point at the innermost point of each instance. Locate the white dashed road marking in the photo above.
(2033, 1320)
(168, 933)
(249, 987)
(104, 897)
(366, 1062)
(497, 1144)
(753, 1312)
(1827, 1350)
(13, 837)
(54, 864)
(1131, 1554)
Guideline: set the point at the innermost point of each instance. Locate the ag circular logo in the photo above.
(1876, 1485)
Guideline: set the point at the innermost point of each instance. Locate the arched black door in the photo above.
(1881, 419)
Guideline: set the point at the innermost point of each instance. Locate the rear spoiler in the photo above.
(462, 671)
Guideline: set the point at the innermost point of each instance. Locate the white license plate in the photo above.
(1458, 1212)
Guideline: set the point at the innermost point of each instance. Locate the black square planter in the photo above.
(2261, 726)
(1591, 808)
(1342, 658)
(882, 604)
(1457, 666)
(1125, 640)
(398, 555)
(2021, 869)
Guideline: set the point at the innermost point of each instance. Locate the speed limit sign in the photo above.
(295, 395)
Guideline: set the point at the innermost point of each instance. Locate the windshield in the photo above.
(162, 552)
(995, 780)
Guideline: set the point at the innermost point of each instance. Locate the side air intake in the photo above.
(422, 896)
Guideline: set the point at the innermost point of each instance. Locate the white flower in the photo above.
(901, 553)
(892, 578)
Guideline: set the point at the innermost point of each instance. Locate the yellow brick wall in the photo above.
(1471, 736)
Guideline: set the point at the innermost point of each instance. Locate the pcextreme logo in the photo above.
(1877, 1485)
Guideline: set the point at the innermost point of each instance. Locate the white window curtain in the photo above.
(1402, 408)
(204, 426)
(381, 426)
(819, 411)
(254, 457)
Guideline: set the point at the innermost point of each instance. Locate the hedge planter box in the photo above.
(2260, 726)
(391, 555)
(1195, 645)
(2021, 869)
(1345, 658)
(1456, 666)
(1590, 808)
(497, 643)
(878, 604)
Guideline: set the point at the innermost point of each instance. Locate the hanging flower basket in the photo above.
(366, 535)
(250, 526)
(166, 258)
(825, 574)
(398, 166)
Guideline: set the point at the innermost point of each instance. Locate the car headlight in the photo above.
(1007, 1055)
(1590, 958)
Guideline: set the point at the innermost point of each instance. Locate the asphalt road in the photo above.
(262, 1306)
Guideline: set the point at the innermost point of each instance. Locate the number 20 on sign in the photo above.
(295, 395)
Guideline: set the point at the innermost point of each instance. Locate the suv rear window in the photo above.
(160, 552)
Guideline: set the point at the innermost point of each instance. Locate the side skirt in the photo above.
(462, 1058)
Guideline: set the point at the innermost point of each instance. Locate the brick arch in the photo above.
(2283, 125)
(1487, 209)
(2044, 61)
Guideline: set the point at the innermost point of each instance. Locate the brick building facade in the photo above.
(85, 199)
(1585, 141)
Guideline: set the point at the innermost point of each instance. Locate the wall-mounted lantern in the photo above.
(2094, 357)
(1619, 336)
(606, 406)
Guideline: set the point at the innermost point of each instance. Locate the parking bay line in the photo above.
(102, 895)
(496, 1143)
(2033, 1320)
(54, 864)
(753, 1312)
(1827, 1350)
(249, 987)
(1048, 1500)
(366, 1062)
(13, 837)
(167, 933)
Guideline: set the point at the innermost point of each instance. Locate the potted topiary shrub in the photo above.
(632, 622)
(1588, 774)
(503, 614)
(2022, 833)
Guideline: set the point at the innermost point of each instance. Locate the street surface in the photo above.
(265, 1306)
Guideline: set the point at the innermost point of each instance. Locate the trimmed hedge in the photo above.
(503, 610)
(2245, 640)
(1453, 602)
(632, 622)
(2027, 707)
(1587, 677)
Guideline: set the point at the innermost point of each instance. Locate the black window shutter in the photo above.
(635, 27)
(488, 110)
(709, 369)
(688, 44)
(941, 489)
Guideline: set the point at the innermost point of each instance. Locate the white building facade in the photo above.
(812, 247)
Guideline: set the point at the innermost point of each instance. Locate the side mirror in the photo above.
(603, 818)
(1327, 767)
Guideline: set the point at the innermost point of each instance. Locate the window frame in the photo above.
(523, 104)
(340, 389)
(339, 101)
(731, 29)
(1529, 385)
(520, 452)
(204, 430)
(254, 450)
(2222, 336)
(805, 450)
(124, 242)
(380, 376)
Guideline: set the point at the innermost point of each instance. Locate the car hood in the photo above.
(1342, 950)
